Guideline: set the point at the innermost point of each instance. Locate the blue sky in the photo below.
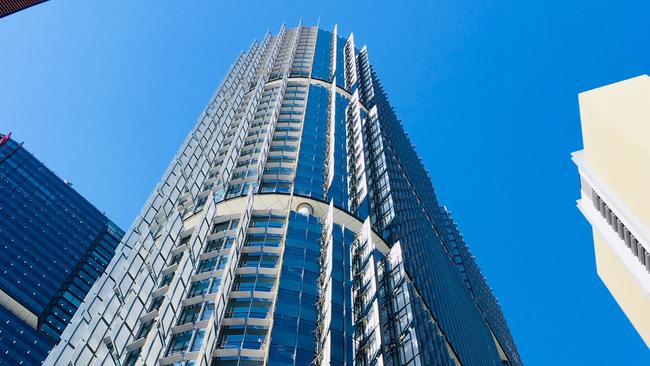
(105, 92)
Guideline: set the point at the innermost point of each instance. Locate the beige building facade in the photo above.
(614, 169)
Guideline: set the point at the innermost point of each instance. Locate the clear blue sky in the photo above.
(105, 92)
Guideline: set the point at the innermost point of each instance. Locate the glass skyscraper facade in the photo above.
(55, 244)
(295, 225)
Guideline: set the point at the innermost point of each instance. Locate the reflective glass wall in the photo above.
(55, 244)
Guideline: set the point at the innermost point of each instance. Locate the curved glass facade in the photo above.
(296, 225)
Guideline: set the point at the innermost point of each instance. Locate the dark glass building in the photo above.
(55, 244)
(295, 226)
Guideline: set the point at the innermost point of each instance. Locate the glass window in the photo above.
(208, 310)
(207, 265)
(180, 342)
(238, 308)
(183, 363)
(237, 361)
(254, 240)
(260, 308)
(132, 358)
(190, 314)
(263, 239)
(199, 288)
(232, 336)
(239, 336)
(155, 304)
(223, 260)
(218, 262)
(264, 283)
(215, 244)
(278, 171)
(254, 338)
(248, 308)
(144, 329)
(258, 221)
(228, 242)
(218, 244)
(276, 221)
(198, 340)
(254, 282)
(167, 279)
(215, 285)
(245, 282)
(264, 260)
(176, 259)
(219, 227)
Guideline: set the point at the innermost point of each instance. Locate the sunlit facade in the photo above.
(614, 190)
(295, 226)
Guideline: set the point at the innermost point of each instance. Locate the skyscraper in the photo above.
(296, 224)
(55, 244)
(614, 194)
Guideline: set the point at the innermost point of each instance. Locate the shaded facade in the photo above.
(55, 244)
(296, 225)
(614, 195)
(11, 6)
